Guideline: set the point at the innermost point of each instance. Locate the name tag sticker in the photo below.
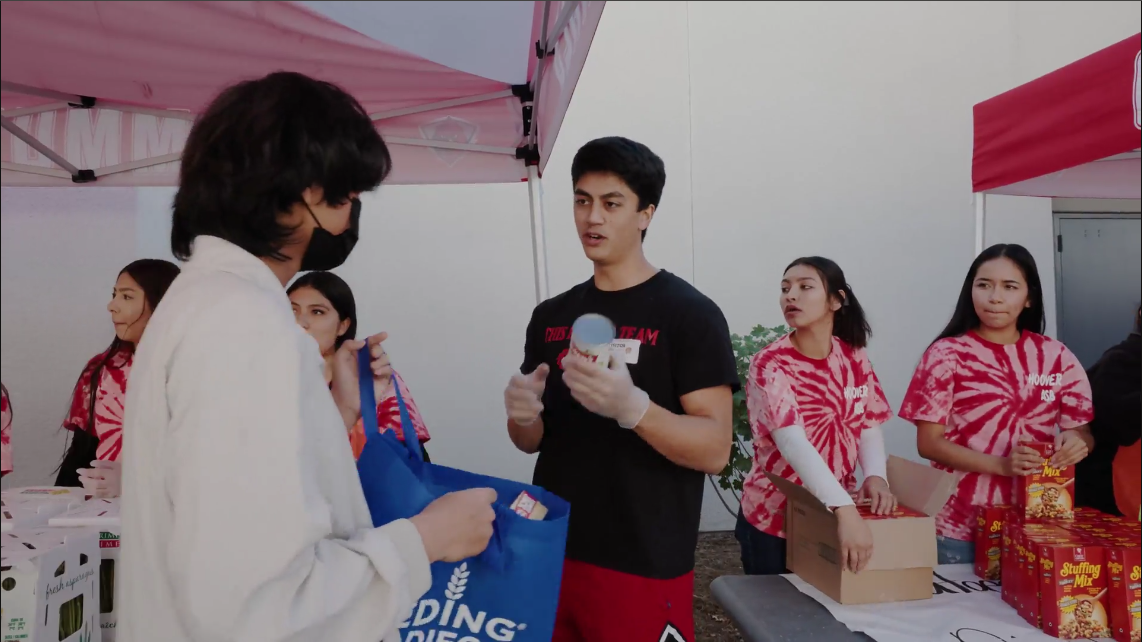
(628, 348)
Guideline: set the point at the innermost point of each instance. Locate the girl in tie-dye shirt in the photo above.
(5, 432)
(324, 307)
(815, 407)
(96, 415)
(990, 383)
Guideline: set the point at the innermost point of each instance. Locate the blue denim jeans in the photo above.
(762, 553)
(954, 551)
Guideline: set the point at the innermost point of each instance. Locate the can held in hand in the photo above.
(591, 338)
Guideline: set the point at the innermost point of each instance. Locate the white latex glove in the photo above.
(522, 397)
(103, 479)
(608, 392)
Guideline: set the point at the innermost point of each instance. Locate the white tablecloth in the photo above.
(962, 609)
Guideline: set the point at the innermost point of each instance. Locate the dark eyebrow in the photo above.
(580, 192)
(125, 289)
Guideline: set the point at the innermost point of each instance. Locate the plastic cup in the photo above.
(591, 338)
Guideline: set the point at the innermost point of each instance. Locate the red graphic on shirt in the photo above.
(833, 399)
(646, 336)
(562, 356)
(110, 393)
(554, 335)
(988, 396)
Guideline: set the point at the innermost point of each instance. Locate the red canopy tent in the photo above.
(1071, 133)
(463, 92)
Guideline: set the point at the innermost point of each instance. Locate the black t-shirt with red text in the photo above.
(632, 509)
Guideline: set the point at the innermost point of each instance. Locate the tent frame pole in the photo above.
(980, 221)
(538, 233)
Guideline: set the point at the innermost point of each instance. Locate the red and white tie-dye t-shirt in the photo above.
(833, 399)
(5, 433)
(989, 395)
(110, 394)
(388, 417)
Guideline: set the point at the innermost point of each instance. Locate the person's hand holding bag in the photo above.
(103, 479)
(458, 525)
(346, 390)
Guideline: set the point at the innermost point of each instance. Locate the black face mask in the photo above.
(327, 251)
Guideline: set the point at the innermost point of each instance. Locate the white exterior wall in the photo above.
(840, 129)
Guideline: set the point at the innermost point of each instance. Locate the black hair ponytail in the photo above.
(849, 323)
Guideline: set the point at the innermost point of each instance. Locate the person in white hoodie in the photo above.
(243, 517)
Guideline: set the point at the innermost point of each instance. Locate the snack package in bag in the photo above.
(508, 592)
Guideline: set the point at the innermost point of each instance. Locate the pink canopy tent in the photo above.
(464, 92)
(1071, 133)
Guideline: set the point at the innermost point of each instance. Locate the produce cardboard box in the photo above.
(1124, 597)
(101, 515)
(904, 550)
(50, 586)
(25, 508)
(28, 515)
(40, 494)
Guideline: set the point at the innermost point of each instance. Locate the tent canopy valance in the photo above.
(1074, 132)
(464, 92)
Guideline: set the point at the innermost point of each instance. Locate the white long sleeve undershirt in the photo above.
(872, 455)
(815, 474)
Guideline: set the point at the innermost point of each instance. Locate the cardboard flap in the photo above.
(796, 492)
(920, 487)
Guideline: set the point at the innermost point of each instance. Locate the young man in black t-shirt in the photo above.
(627, 445)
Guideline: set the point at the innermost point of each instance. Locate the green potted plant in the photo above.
(741, 452)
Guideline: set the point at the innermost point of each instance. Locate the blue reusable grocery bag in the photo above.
(508, 592)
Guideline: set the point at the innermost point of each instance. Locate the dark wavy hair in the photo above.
(257, 147)
(641, 169)
(849, 323)
(1033, 318)
(340, 296)
(154, 276)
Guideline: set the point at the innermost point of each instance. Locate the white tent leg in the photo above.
(980, 221)
(538, 233)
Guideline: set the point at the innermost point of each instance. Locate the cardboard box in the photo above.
(44, 494)
(1124, 594)
(27, 508)
(28, 515)
(101, 515)
(904, 550)
(1046, 494)
(50, 586)
(989, 541)
(1074, 591)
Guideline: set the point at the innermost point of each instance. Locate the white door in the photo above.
(1099, 280)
